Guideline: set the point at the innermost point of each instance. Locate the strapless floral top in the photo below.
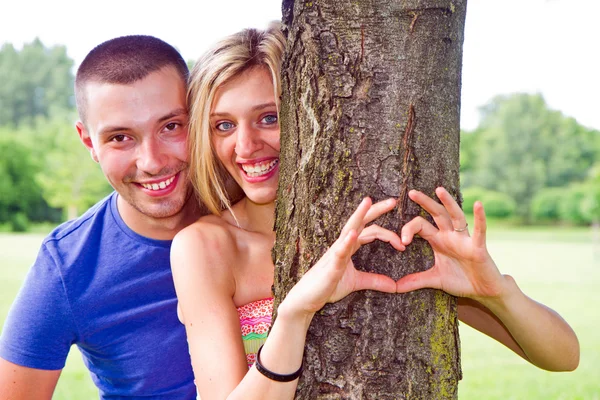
(255, 321)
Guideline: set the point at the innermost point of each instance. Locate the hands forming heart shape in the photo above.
(463, 266)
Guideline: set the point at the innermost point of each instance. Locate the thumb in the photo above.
(419, 280)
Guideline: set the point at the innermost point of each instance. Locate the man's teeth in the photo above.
(260, 168)
(159, 185)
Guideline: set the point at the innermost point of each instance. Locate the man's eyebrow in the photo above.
(255, 108)
(179, 112)
(107, 130)
(175, 113)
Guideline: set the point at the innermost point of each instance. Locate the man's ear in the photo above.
(85, 138)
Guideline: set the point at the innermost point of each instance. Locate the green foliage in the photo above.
(43, 165)
(499, 205)
(522, 146)
(19, 222)
(44, 168)
(570, 209)
(546, 204)
(468, 149)
(578, 204)
(69, 179)
(496, 204)
(590, 204)
(19, 193)
(34, 81)
(470, 196)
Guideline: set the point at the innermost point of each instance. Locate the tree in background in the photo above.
(521, 146)
(371, 99)
(69, 179)
(35, 80)
(20, 196)
(44, 168)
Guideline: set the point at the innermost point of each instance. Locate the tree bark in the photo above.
(370, 106)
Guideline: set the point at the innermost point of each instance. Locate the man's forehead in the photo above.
(135, 105)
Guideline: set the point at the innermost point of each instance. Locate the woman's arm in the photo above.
(532, 330)
(214, 336)
(201, 257)
(489, 301)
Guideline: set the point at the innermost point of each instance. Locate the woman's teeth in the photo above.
(259, 169)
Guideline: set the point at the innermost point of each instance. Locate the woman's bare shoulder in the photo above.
(208, 239)
(206, 228)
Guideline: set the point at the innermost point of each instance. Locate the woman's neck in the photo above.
(255, 217)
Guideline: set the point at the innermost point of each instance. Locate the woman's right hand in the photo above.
(333, 277)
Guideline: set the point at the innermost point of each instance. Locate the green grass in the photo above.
(559, 267)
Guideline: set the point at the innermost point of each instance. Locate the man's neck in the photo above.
(159, 228)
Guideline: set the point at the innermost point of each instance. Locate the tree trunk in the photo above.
(371, 104)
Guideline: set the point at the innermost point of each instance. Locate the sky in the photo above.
(550, 47)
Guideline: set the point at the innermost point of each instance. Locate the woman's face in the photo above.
(245, 133)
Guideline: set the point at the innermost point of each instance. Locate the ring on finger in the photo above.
(463, 228)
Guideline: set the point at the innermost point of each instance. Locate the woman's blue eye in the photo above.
(224, 126)
(270, 119)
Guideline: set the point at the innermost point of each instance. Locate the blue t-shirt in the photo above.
(101, 286)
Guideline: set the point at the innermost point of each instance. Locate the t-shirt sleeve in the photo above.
(39, 329)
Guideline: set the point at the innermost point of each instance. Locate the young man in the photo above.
(103, 281)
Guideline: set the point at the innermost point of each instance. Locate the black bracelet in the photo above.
(274, 376)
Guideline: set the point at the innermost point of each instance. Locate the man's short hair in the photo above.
(125, 60)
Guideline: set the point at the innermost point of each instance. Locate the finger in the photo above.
(437, 210)
(376, 232)
(356, 219)
(419, 280)
(378, 209)
(343, 249)
(418, 226)
(371, 281)
(480, 225)
(457, 216)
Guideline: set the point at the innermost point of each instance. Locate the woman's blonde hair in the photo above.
(229, 58)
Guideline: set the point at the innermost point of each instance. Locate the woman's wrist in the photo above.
(288, 314)
(508, 293)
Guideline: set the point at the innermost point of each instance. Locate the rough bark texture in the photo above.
(371, 101)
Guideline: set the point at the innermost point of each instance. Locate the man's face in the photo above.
(137, 133)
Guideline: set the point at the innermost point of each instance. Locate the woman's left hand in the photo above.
(463, 266)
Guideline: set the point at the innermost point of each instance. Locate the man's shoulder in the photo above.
(74, 230)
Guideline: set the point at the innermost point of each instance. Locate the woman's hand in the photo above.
(333, 277)
(463, 266)
(495, 305)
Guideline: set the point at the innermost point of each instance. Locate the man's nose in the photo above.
(151, 158)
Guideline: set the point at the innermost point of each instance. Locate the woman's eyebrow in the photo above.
(257, 107)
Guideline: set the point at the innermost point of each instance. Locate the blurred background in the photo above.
(530, 143)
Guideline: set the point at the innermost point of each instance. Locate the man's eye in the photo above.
(270, 119)
(224, 126)
(119, 138)
(171, 126)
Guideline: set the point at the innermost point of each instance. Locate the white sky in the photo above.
(546, 46)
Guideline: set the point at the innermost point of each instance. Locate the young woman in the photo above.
(222, 263)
